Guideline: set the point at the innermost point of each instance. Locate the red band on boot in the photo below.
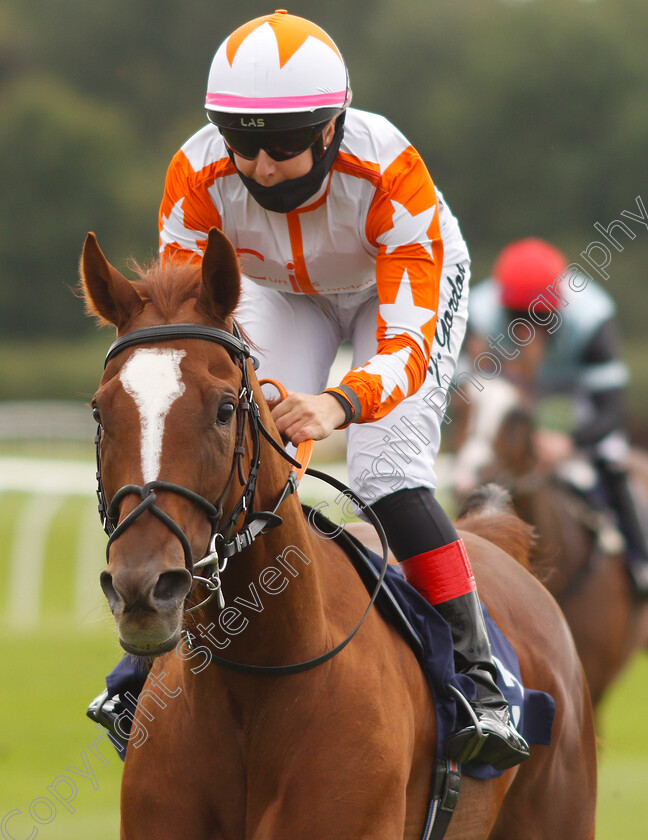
(441, 574)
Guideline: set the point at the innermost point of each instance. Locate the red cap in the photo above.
(525, 269)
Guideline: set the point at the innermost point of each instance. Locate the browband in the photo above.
(169, 332)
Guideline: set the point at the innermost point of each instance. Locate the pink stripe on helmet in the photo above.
(225, 100)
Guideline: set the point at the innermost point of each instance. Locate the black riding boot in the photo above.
(622, 500)
(433, 559)
(109, 712)
(490, 736)
(114, 708)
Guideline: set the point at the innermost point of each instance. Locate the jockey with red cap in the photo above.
(525, 270)
(575, 351)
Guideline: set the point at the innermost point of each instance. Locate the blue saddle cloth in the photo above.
(429, 636)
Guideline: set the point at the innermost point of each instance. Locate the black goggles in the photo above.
(279, 145)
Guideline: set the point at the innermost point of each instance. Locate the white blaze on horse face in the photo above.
(154, 380)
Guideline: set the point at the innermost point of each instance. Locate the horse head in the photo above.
(498, 443)
(168, 413)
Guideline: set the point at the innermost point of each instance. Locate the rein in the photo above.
(223, 543)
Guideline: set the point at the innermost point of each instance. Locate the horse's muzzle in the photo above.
(148, 606)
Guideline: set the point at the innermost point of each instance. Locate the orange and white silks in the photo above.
(377, 223)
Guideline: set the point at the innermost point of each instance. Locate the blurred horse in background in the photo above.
(578, 555)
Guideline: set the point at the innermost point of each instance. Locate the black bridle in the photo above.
(223, 542)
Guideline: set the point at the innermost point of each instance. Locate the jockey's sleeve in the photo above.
(403, 223)
(609, 416)
(603, 379)
(187, 211)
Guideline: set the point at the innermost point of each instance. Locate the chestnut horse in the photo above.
(585, 572)
(341, 750)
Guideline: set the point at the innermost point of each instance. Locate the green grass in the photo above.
(623, 767)
(50, 674)
(9, 510)
(48, 678)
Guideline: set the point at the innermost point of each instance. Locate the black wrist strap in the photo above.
(349, 401)
(346, 405)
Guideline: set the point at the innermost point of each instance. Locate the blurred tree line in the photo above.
(531, 116)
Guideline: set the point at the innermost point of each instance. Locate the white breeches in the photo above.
(297, 338)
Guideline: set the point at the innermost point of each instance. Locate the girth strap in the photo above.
(446, 784)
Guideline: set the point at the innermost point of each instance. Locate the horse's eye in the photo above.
(225, 413)
(96, 414)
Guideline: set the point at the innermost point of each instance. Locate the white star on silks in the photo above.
(379, 366)
(190, 238)
(403, 314)
(407, 228)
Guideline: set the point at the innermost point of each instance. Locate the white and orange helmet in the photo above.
(277, 73)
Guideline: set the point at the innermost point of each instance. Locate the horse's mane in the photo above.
(488, 513)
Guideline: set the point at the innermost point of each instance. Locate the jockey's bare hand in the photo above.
(304, 416)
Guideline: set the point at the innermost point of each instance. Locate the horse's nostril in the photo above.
(172, 586)
(105, 578)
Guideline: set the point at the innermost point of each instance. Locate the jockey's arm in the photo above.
(604, 379)
(403, 224)
(608, 416)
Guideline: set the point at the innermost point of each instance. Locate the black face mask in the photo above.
(288, 195)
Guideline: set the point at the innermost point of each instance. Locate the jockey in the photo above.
(574, 350)
(342, 236)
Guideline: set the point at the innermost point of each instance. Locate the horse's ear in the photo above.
(221, 276)
(108, 295)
